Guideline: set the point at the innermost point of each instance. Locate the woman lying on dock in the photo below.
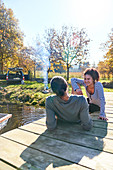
(94, 90)
(66, 107)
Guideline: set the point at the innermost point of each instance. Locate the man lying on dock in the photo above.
(70, 108)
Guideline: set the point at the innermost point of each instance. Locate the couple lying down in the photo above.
(71, 108)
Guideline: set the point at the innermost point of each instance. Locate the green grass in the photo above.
(108, 90)
(31, 93)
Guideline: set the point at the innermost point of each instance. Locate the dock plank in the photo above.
(32, 146)
(74, 138)
(8, 152)
(98, 123)
(25, 157)
(95, 131)
(4, 166)
(71, 152)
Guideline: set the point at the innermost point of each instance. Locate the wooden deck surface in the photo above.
(32, 146)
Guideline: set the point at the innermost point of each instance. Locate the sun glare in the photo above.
(89, 12)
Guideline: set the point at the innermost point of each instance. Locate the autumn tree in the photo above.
(24, 58)
(108, 48)
(11, 38)
(52, 44)
(67, 45)
(102, 68)
(74, 47)
(109, 54)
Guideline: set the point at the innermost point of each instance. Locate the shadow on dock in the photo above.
(67, 146)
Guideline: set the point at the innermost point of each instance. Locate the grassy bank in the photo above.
(31, 93)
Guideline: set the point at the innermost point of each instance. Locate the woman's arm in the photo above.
(85, 118)
(76, 89)
(102, 101)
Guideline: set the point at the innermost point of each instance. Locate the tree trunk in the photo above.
(2, 67)
(108, 76)
(104, 76)
(1, 64)
(34, 71)
(67, 71)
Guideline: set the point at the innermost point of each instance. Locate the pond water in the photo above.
(21, 115)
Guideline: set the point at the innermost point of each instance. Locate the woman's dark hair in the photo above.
(58, 85)
(93, 73)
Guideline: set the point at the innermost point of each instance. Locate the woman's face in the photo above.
(88, 80)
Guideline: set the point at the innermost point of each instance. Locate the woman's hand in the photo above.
(103, 118)
(79, 92)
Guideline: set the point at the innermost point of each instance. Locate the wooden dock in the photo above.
(33, 147)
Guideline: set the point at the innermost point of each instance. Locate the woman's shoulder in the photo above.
(98, 85)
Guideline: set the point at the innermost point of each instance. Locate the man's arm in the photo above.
(51, 121)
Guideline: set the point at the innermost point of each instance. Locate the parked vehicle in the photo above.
(15, 76)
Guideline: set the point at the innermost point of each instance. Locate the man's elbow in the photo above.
(87, 126)
(51, 127)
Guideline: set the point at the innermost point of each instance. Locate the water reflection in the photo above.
(21, 115)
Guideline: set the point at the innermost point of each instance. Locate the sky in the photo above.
(96, 16)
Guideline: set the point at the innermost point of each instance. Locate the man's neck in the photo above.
(65, 97)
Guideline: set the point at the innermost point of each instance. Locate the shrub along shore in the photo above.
(31, 93)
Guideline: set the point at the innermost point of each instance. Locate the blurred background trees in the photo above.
(67, 47)
(12, 50)
(106, 67)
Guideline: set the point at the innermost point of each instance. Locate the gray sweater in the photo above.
(96, 98)
(74, 110)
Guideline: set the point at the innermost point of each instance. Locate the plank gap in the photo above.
(69, 141)
(44, 152)
(8, 163)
